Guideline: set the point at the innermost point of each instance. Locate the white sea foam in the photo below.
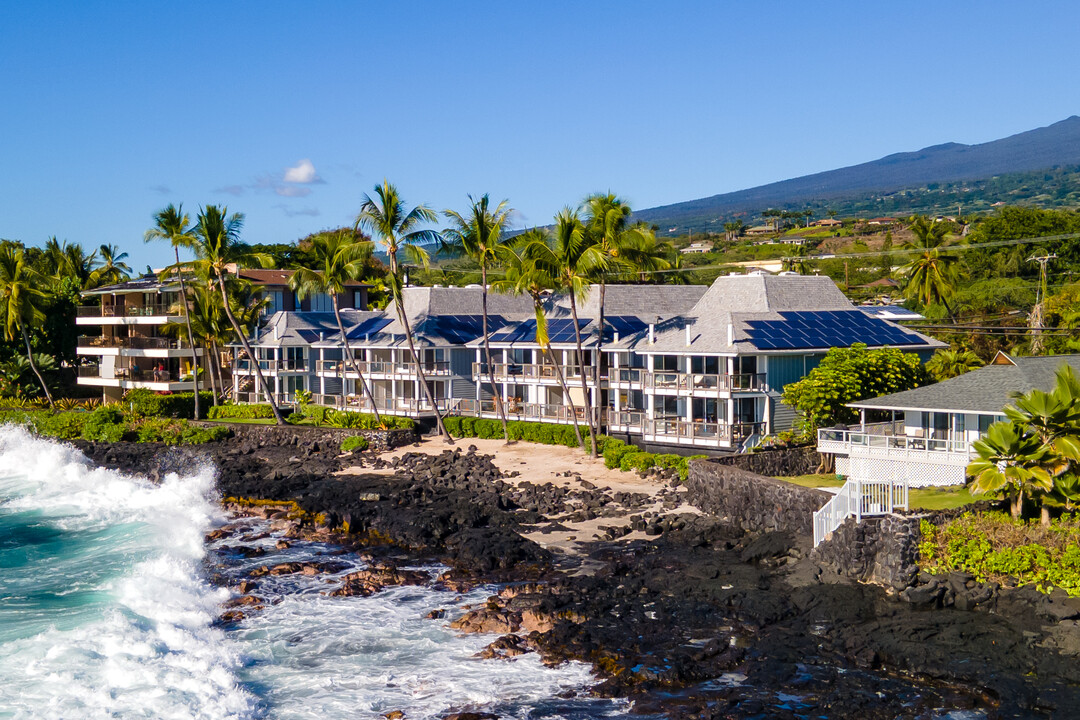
(151, 651)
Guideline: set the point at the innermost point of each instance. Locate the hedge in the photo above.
(143, 401)
(242, 412)
(111, 424)
(617, 454)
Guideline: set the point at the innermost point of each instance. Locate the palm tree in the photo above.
(948, 364)
(641, 255)
(1010, 462)
(931, 276)
(478, 235)
(797, 261)
(525, 276)
(69, 260)
(217, 246)
(398, 229)
(112, 269)
(336, 260)
(571, 262)
(20, 302)
(173, 225)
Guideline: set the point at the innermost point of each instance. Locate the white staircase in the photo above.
(859, 498)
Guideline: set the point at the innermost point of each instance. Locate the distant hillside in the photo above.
(865, 185)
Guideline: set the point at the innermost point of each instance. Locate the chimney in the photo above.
(615, 338)
(730, 334)
(275, 332)
(688, 335)
(652, 333)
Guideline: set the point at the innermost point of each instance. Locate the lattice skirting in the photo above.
(917, 474)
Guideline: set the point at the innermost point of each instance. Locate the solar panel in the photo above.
(826, 328)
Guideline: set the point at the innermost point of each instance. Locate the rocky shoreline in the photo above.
(699, 619)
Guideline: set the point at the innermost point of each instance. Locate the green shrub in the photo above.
(364, 421)
(106, 424)
(993, 547)
(64, 426)
(143, 401)
(684, 465)
(241, 412)
(614, 450)
(639, 461)
(317, 413)
(195, 435)
(354, 443)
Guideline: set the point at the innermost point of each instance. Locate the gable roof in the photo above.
(986, 390)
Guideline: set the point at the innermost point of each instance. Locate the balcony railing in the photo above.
(516, 372)
(283, 365)
(128, 373)
(690, 382)
(131, 342)
(842, 442)
(153, 310)
(433, 368)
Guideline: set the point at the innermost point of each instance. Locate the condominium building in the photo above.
(691, 366)
(132, 339)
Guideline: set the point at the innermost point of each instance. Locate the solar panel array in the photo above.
(372, 325)
(623, 324)
(560, 330)
(455, 329)
(824, 329)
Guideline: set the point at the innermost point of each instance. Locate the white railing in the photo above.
(859, 499)
(844, 441)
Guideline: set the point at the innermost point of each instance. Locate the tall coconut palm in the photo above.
(21, 300)
(931, 275)
(336, 259)
(173, 225)
(112, 269)
(69, 260)
(217, 246)
(523, 275)
(399, 229)
(571, 262)
(642, 256)
(478, 235)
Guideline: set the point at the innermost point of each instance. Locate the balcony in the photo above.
(704, 382)
(385, 369)
(517, 372)
(677, 431)
(118, 311)
(133, 376)
(879, 453)
(246, 367)
(131, 343)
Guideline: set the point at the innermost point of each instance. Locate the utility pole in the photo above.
(847, 278)
(1035, 320)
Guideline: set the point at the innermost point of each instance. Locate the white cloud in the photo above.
(292, 191)
(303, 172)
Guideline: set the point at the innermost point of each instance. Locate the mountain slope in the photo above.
(1054, 145)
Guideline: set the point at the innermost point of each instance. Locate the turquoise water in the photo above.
(106, 612)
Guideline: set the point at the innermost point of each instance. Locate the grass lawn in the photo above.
(939, 498)
(815, 481)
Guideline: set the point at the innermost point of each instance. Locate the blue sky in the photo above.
(113, 109)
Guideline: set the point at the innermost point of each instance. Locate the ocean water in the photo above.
(106, 612)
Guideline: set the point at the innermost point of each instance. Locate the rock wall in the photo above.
(781, 462)
(752, 501)
(883, 550)
(263, 435)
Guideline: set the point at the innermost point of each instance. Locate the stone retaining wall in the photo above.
(752, 501)
(781, 462)
(883, 550)
(298, 435)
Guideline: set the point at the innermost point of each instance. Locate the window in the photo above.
(705, 365)
(321, 302)
(276, 300)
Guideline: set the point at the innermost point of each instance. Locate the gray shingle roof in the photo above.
(986, 390)
(735, 300)
(284, 329)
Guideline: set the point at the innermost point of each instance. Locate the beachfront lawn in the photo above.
(939, 498)
(815, 481)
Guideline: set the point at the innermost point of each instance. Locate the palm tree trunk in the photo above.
(1017, 508)
(190, 335)
(598, 363)
(399, 303)
(499, 408)
(581, 368)
(352, 362)
(1044, 516)
(210, 373)
(247, 348)
(215, 364)
(546, 348)
(33, 365)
